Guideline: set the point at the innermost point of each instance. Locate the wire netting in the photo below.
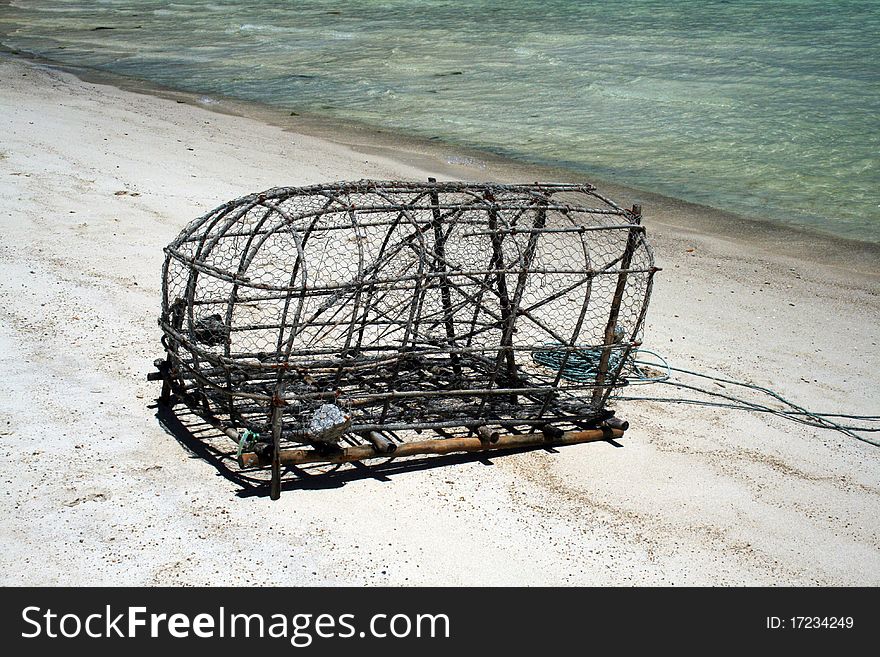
(408, 306)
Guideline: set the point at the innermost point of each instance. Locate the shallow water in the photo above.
(765, 108)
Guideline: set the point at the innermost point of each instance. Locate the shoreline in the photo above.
(103, 487)
(466, 163)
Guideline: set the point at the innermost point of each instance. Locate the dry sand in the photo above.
(96, 492)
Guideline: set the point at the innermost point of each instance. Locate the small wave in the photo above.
(340, 35)
(274, 29)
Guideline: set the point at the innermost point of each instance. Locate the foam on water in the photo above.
(766, 108)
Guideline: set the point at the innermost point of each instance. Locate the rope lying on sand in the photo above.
(791, 411)
(582, 364)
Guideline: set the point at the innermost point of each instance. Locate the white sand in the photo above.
(96, 492)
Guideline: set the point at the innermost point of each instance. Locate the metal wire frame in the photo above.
(408, 305)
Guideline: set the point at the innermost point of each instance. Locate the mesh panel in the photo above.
(408, 305)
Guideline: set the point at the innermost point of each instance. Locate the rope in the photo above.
(793, 411)
(247, 441)
(582, 366)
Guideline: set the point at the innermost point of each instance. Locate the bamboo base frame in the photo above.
(290, 457)
(379, 446)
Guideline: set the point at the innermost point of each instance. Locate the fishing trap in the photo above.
(348, 321)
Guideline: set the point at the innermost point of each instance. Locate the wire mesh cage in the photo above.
(371, 309)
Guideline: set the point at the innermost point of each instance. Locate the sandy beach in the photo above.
(95, 180)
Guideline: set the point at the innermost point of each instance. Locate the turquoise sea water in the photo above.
(768, 108)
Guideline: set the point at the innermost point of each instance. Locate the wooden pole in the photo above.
(380, 443)
(486, 435)
(163, 375)
(435, 446)
(275, 491)
(600, 393)
(440, 265)
(496, 265)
